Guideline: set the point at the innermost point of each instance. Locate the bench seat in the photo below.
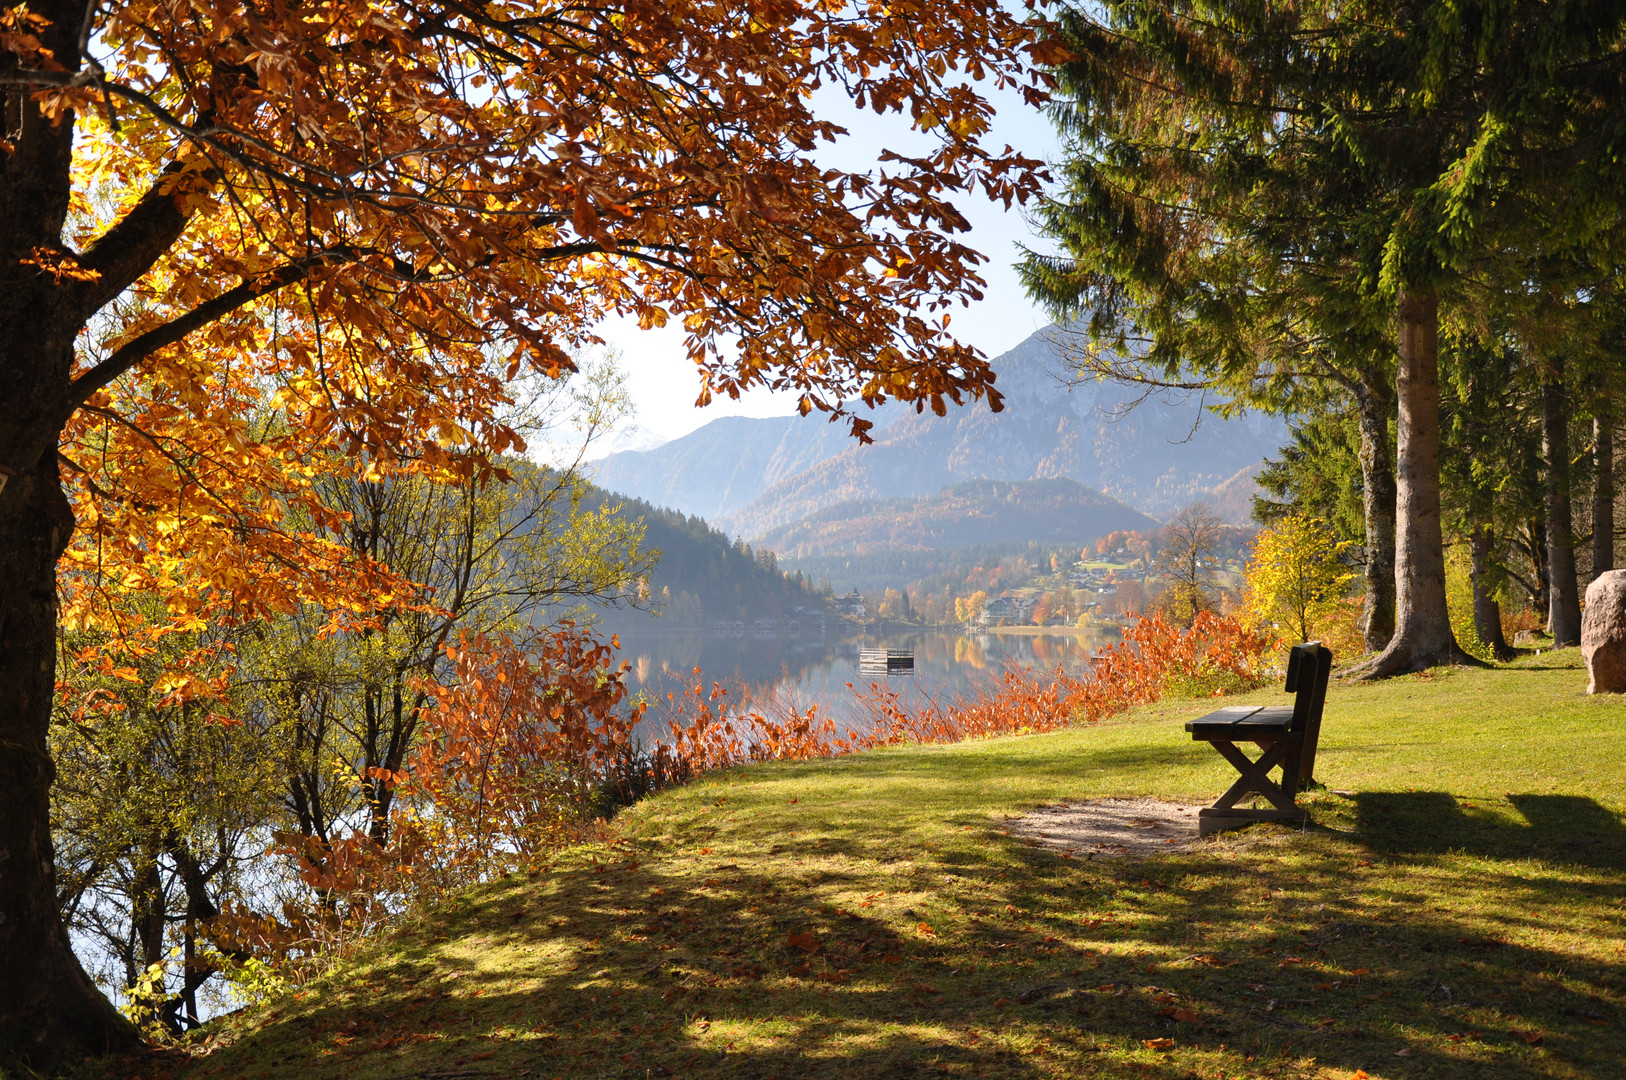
(1240, 723)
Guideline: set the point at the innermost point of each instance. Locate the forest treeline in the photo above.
(1404, 231)
(697, 575)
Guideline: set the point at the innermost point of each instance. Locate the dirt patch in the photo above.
(1111, 827)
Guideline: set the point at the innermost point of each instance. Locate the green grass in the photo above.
(1456, 910)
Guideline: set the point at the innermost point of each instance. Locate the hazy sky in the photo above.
(663, 383)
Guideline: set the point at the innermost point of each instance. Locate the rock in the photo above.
(1603, 633)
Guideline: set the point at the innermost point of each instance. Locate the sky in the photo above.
(662, 382)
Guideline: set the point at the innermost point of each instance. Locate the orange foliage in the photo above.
(515, 744)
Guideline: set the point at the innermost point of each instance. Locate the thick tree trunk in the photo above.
(1603, 490)
(1487, 612)
(1564, 610)
(50, 1011)
(1376, 404)
(1422, 635)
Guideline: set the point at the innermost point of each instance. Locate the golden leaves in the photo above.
(60, 265)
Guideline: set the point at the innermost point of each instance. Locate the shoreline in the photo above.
(1040, 631)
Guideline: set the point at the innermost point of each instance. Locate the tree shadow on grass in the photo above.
(1448, 973)
(1560, 829)
(1248, 955)
(645, 974)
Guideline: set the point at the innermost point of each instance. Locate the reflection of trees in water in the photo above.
(968, 650)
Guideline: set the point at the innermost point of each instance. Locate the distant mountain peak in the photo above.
(754, 476)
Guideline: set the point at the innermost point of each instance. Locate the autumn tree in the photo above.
(386, 211)
(1295, 576)
(967, 609)
(165, 799)
(1187, 556)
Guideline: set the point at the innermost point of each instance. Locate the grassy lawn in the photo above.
(1458, 909)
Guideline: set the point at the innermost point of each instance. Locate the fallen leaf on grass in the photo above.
(801, 969)
(1001, 1001)
(927, 988)
(808, 943)
(1158, 1044)
(1532, 1037)
(1360, 1074)
(925, 930)
(891, 958)
(705, 851)
(832, 976)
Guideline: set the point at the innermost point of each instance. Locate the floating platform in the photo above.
(886, 661)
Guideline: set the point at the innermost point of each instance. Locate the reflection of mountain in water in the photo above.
(948, 664)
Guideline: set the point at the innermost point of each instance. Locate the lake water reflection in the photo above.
(813, 669)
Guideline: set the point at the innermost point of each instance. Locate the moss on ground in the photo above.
(1456, 910)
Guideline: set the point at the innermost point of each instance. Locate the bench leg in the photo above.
(1255, 775)
(1254, 778)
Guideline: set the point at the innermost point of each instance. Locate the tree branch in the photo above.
(139, 348)
(139, 239)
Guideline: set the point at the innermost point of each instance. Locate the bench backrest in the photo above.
(1309, 666)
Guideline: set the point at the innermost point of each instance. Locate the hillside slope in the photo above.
(717, 469)
(702, 575)
(975, 512)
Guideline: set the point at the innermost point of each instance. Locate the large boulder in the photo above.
(1603, 633)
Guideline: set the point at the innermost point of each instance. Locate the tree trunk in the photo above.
(1375, 404)
(1564, 610)
(50, 1011)
(1422, 635)
(1603, 490)
(1487, 612)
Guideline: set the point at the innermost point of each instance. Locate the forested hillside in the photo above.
(700, 575)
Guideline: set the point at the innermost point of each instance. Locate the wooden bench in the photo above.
(1286, 735)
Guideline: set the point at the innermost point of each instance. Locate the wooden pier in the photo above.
(886, 661)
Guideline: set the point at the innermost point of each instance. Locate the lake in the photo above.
(813, 669)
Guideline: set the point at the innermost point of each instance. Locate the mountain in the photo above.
(719, 468)
(1057, 510)
(751, 476)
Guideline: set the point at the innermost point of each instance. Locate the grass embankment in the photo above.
(1458, 914)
